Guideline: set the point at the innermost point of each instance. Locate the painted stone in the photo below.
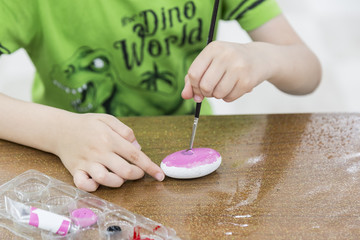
(187, 164)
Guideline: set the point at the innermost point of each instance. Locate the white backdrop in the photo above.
(330, 29)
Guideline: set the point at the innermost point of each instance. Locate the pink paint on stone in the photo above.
(191, 158)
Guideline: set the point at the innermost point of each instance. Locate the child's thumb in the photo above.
(187, 92)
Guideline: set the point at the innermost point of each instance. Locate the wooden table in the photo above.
(292, 176)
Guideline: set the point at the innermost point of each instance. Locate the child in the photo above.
(95, 59)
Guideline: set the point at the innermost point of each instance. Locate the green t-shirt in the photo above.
(120, 57)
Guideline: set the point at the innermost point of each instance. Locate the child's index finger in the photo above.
(133, 155)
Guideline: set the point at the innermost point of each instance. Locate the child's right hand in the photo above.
(100, 149)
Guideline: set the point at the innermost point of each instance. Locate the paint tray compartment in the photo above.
(33, 195)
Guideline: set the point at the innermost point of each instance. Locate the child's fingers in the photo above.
(211, 78)
(237, 92)
(84, 182)
(122, 168)
(198, 69)
(101, 175)
(225, 86)
(136, 144)
(195, 85)
(129, 152)
(187, 92)
(119, 127)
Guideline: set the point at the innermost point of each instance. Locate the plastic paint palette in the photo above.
(90, 217)
(187, 164)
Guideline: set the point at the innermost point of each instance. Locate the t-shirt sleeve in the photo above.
(251, 14)
(17, 24)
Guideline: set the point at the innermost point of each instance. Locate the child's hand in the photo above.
(225, 71)
(277, 54)
(99, 149)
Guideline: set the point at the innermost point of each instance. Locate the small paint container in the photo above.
(116, 224)
(149, 229)
(59, 198)
(97, 205)
(83, 217)
(32, 187)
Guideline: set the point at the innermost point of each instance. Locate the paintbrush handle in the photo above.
(209, 40)
(213, 21)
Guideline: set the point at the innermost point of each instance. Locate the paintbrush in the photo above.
(209, 40)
